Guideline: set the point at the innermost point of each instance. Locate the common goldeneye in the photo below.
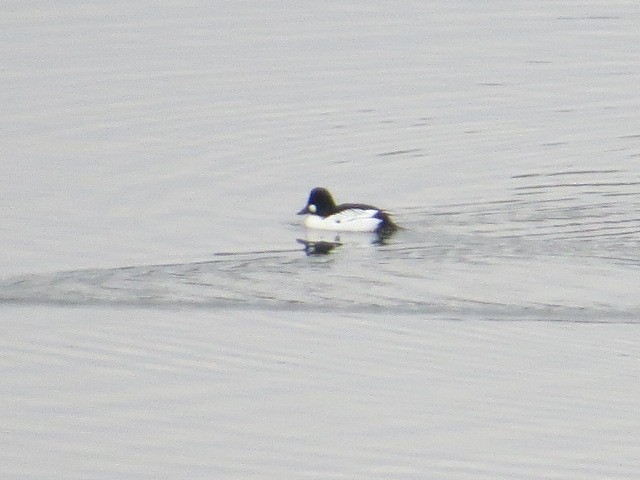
(323, 214)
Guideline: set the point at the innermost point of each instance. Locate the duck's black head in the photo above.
(320, 203)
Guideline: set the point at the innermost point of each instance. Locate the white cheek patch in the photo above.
(312, 208)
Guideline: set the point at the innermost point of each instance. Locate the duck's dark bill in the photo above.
(318, 248)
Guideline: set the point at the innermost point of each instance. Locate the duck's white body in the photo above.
(352, 220)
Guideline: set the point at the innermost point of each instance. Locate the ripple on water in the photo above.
(461, 268)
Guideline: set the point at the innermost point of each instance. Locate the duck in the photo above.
(323, 214)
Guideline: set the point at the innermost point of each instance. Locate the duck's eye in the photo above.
(312, 208)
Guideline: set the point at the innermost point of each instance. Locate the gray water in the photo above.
(160, 318)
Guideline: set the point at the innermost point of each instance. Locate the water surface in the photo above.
(161, 319)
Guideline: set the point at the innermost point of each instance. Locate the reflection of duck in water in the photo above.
(323, 214)
(320, 247)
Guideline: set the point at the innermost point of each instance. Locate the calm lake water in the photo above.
(160, 318)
